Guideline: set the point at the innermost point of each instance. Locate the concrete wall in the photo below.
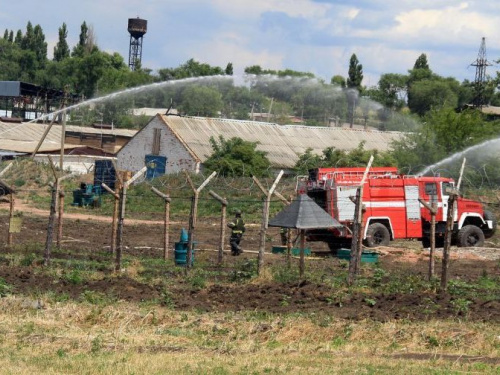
(132, 156)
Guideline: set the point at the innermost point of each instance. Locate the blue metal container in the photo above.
(180, 253)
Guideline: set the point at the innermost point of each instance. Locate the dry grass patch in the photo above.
(126, 338)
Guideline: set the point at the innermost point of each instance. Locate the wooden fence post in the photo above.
(302, 265)
(265, 218)
(447, 240)
(60, 219)
(356, 229)
(50, 228)
(433, 210)
(121, 218)
(193, 214)
(10, 236)
(166, 221)
(357, 233)
(116, 206)
(453, 193)
(223, 203)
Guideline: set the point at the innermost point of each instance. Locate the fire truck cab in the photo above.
(392, 209)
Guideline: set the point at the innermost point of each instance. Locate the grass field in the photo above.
(68, 337)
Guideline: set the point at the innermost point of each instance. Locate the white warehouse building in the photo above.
(170, 144)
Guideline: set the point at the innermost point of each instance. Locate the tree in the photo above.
(421, 62)
(39, 46)
(437, 93)
(254, 69)
(393, 90)
(200, 101)
(355, 74)
(332, 157)
(61, 50)
(81, 48)
(6, 34)
(28, 40)
(190, 68)
(236, 157)
(354, 79)
(229, 69)
(19, 38)
(338, 80)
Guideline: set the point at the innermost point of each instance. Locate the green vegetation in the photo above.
(236, 157)
(358, 157)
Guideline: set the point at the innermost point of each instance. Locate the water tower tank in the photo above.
(137, 27)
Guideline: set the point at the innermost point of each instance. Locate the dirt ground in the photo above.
(88, 239)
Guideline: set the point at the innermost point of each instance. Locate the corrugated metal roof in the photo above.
(282, 143)
(25, 137)
(28, 131)
(86, 129)
(27, 147)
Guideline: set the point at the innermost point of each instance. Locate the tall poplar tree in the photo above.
(354, 79)
(61, 50)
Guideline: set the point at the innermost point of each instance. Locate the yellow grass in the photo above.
(130, 339)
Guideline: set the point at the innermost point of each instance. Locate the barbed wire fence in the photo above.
(240, 192)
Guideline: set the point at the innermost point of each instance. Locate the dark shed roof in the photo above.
(304, 213)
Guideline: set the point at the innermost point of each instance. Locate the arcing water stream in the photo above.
(136, 90)
(457, 156)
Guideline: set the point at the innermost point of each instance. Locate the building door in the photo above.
(156, 166)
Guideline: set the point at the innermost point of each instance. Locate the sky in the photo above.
(317, 36)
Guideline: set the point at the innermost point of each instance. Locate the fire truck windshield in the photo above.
(446, 186)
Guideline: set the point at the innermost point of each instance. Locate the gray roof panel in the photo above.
(304, 213)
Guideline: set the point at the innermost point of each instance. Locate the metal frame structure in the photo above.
(481, 63)
(137, 28)
(21, 98)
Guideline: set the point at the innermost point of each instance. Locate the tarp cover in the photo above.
(304, 213)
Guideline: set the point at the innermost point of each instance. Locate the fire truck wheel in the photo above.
(377, 235)
(488, 215)
(470, 236)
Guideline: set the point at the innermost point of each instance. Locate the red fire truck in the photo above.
(392, 207)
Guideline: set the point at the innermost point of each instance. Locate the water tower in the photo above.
(137, 28)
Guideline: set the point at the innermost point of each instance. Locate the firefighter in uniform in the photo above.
(237, 229)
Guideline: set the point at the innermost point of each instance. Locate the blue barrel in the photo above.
(180, 252)
(184, 235)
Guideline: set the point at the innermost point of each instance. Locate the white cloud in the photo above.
(445, 24)
(293, 8)
(229, 48)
